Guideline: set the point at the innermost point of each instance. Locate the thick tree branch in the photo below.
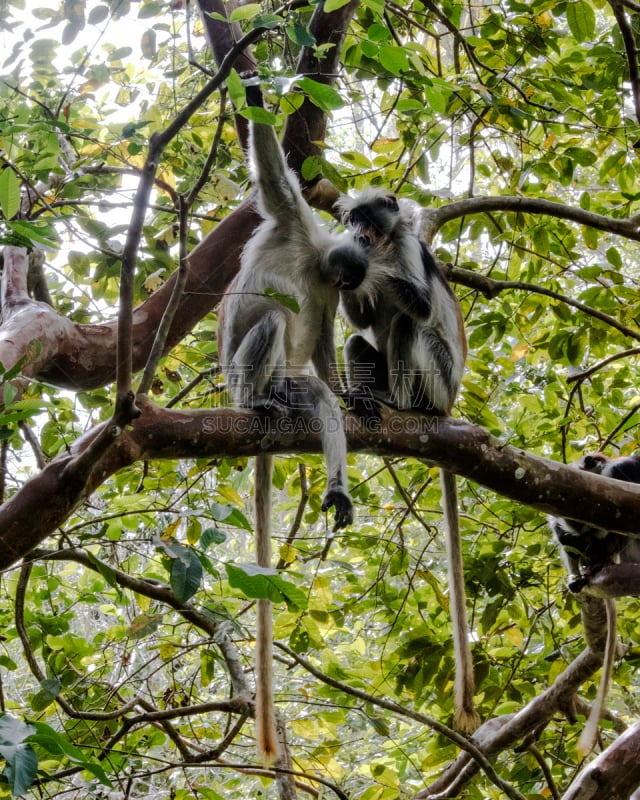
(47, 500)
(498, 734)
(614, 774)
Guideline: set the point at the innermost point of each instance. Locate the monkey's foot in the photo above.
(361, 401)
(343, 507)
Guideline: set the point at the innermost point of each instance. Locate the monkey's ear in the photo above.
(391, 202)
(253, 92)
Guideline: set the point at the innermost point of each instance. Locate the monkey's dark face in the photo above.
(594, 462)
(373, 221)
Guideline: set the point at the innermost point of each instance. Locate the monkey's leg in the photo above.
(312, 400)
(366, 366)
(259, 356)
(420, 372)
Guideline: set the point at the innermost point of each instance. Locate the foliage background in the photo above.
(447, 104)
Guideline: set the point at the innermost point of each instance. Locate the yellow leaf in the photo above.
(288, 553)
(171, 529)
(229, 493)
(519, 351)
(514, 636)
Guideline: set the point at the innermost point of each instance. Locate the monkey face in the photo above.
(373, 220)
(372, 217)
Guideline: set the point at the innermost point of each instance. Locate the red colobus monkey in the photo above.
(585, 550)
(266, 349)
(412, 357)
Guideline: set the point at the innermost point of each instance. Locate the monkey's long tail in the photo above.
(466, 719)
(266, 733)
(589, 735)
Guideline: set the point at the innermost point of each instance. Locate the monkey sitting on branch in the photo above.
(411, 357)
(585, 550)
(277, 319)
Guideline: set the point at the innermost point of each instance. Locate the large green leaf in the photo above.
(264, 583)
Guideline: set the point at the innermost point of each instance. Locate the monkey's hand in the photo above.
(252, 88)
(343, 507)
(576, 584)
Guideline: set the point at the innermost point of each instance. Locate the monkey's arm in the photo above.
(417, 277)
(279, 194)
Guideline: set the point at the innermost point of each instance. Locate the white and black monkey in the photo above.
(586, 549)
(266, 349)
(411, 356)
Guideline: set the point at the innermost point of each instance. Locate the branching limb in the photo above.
(47, 500)
(465, 744)
(434, 219)
(490, 287)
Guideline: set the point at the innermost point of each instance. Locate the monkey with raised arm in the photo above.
(411, 357)
(266, 348)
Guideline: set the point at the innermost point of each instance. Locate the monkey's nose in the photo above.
(363, 240)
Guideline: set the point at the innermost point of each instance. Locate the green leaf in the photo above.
(211, 536)
(230, 515)
(56, 744)
(286, 300)
(21, 760)
(9, 193)
(334, 5)
(582, 20)
(250, 11)
(35, 232)
(300, 35)
(186, 574)
(236, 89)
(325, 97)
(21, 767)
(266, 584)
(98, 15)
(13, 730)
(49, 690)
(267, 21)
(394, 59)
(259, 115)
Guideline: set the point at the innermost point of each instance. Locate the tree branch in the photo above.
(434, 219)
(47, 499)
